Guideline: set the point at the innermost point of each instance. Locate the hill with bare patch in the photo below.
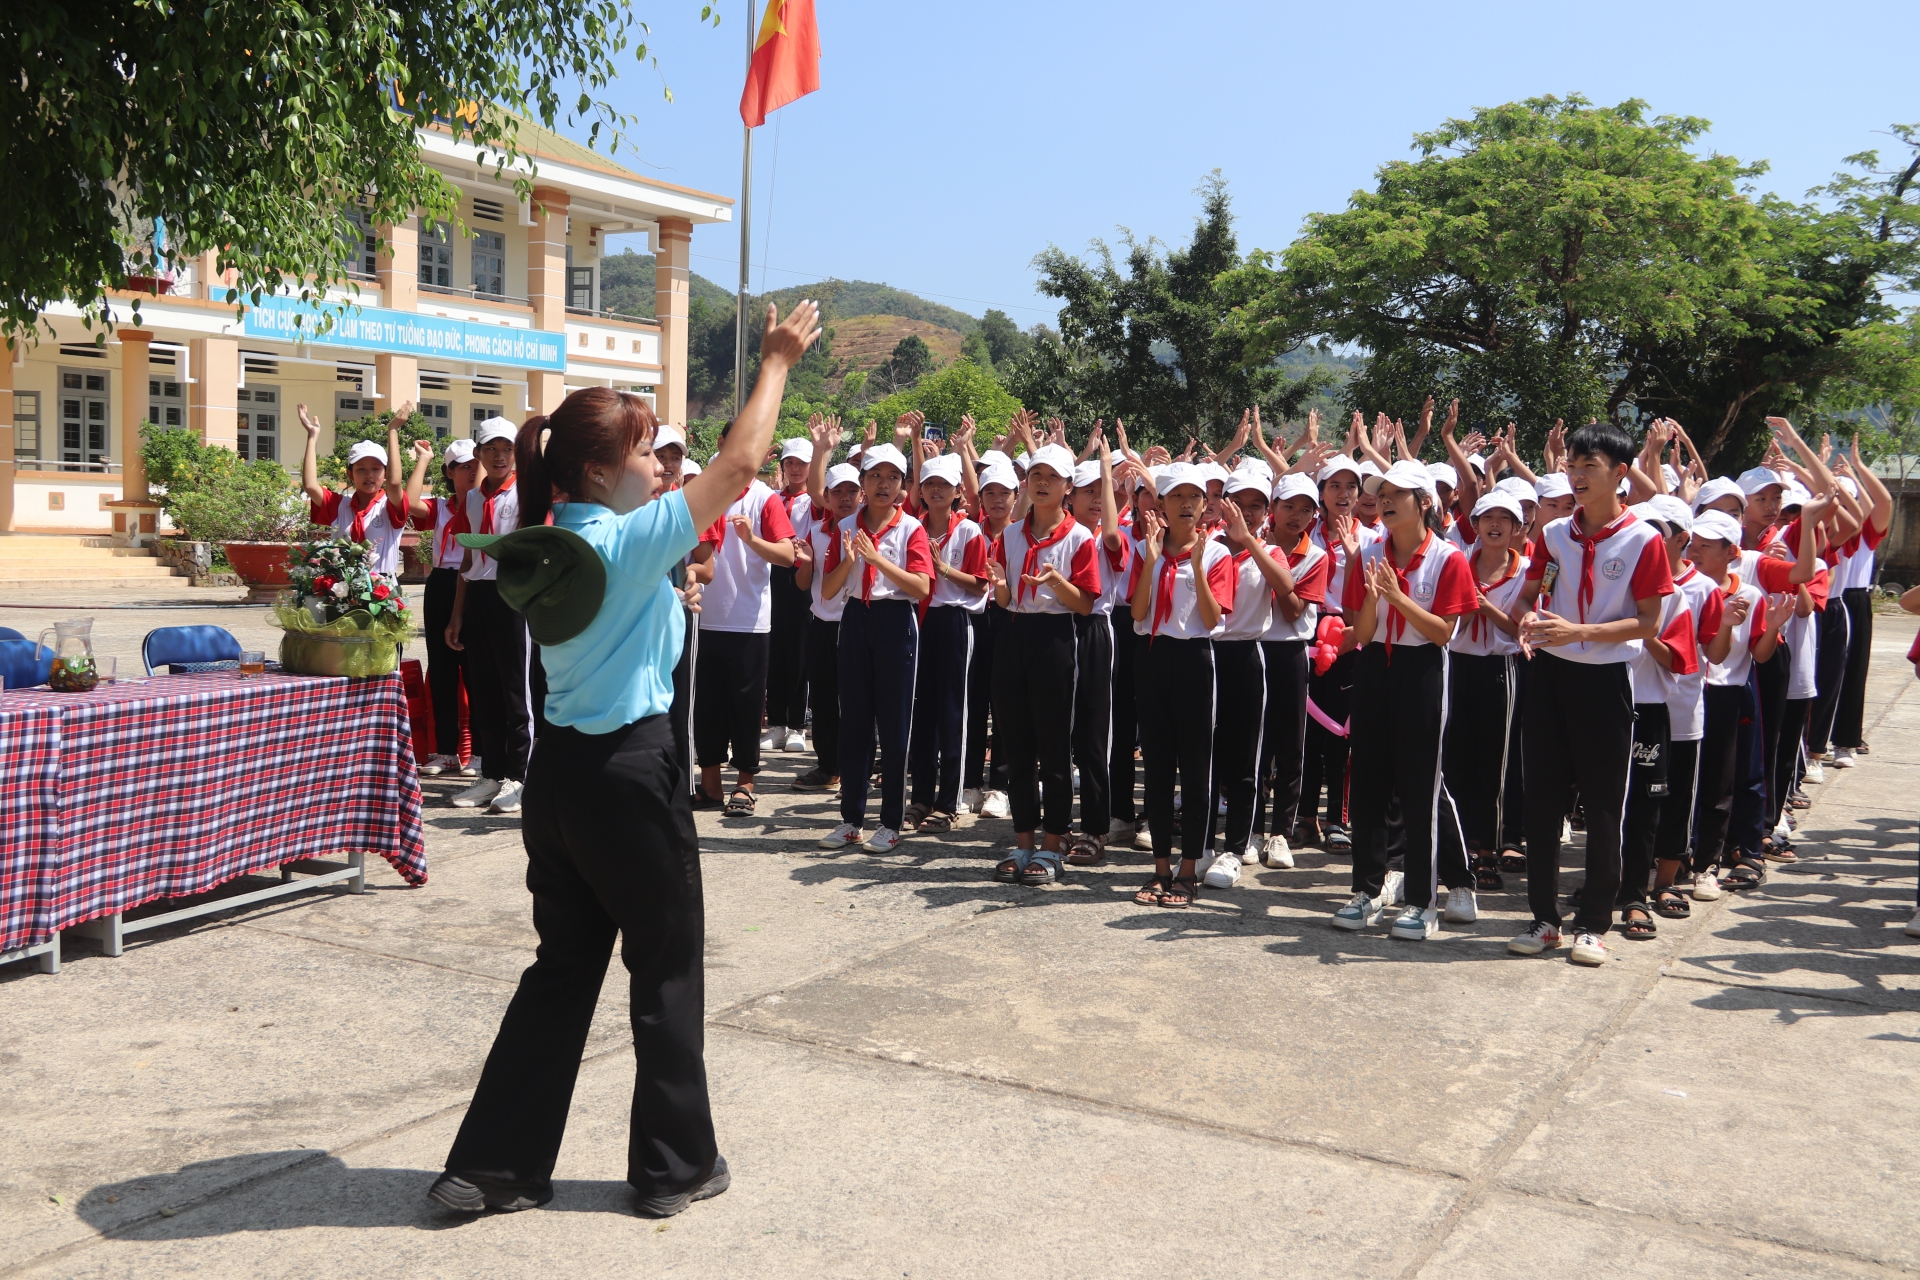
(863, 343)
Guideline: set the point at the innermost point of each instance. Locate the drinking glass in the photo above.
(252, 663)
(106, 669)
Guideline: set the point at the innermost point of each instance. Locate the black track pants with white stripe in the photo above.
(1033, 676)
(1093, 719)
(879, 644)
(1173, 694)
(1283, 739)
(1399, 723)
(1240, 675)
(1579, 734)
(1126, 724)
(940, 707)
(1480, 694)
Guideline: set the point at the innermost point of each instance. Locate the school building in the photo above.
(503, 319)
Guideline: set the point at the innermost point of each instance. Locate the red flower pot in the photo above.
(261, 565)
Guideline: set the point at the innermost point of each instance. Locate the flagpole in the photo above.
(746, 244)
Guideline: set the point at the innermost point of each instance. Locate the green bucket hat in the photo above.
(548, 573)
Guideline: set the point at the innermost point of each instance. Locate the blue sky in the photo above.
(949, 142)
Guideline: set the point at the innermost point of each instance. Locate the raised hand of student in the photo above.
(824, 432)
(965, 433)
(1158, 456)
(905, 427)
(307, 420)
(1049, 576)
(1153, 533)
(864, 548)
(871, 434)
(1345, 532)
(1235, 521)
(1779, 610)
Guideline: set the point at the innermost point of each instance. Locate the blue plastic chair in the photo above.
(20, 668)
(8, 633)
(189, 648)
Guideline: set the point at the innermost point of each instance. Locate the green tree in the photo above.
(946, 395)
(1149, 342)
(912, 360)
(1002, 338)
(248, 127)
(333, 466)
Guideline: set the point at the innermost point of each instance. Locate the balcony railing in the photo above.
(611, 315)
(478, 295)
(26, 462)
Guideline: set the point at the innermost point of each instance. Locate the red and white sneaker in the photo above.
(1588, 950)
(1541, 937)
(844, 836)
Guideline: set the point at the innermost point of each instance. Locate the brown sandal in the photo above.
(1150, 893)
(1180, 894)
(1084, 851)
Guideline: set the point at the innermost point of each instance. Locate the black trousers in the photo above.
(1126, 722)
(1830, 673)
(1093, 719)
(879, 647)
(1326, 762)
(1173, 692)
(939, 747)
(787, 652)
(1773, 677)
(1513, 796)
(729, 688)
(444, 665)
(1750, 774)
(1399, 723)
(1240, 716)
(1786, 764)
(1480, 696)
(1726, 707)
(823, 690)
(681, 712)
(1579, 735)
(1673, 842)
(500, 694)
(610, 851)
(1649, 792)
(1849, 721)
(1283, 738)
(987, 627)
(1033, 694)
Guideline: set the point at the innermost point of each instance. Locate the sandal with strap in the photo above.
(915, 815)
(1748, 873)
(1513, 862)
(1008, 872)
(1486, 873)
(938, 820)
(1084, 851)
(1043, 868)
(1672, 904)
(740, 803)
(1640, 926)
(1181, 893)
(1338, 840)
(1150, 893)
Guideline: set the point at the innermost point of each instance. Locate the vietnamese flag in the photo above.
(786, 60)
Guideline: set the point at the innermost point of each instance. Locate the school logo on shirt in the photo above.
(1423, 593)
(1613, 568)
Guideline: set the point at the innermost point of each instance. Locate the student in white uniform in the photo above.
(839, 499)
(443, 520)
(1284, 645)
(374, 508)
(960, 585)
(787, 636)
(1093, 721)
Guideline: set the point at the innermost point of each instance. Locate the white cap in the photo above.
(1668, 510)
(1442, 473)
(1295, 484)
(1717, 488)
(1623, 488)
(1717, 524)
(1022, 460)
(1754, 479)
(1249, 482)
(945, 467)
(1258, 467)
(494, 429)
(457, 453)
(992, 456)
(1056, 458)
(1846, 482)
(1795, 495)
(667, 434)
(1518, 488)
(1341, 465)
(1477, 462)
(1209, 472)
(367, 449)
(1175, 474)
(1673, 477)
(1368, 467)
(1085, 474)
(689, 469)
(842, 473)
(1000, 473)
(1554, 484)
(1499, 501)
(1404, 475)
(798, 447)
(871, 458)
(1148, 477)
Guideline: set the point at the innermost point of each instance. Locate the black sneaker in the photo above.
(463, 1196)
(816, 779)
(665, 1206)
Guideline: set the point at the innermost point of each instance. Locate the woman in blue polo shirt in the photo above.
(608, 823)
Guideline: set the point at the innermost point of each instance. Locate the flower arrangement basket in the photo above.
(340, 618)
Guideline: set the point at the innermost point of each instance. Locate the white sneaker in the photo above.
(1784, 830)
(1277, 853)
(796, 740)
(962, 809)
(1143, 837)
(773, 737)
(1913, 926)
(996, 806)
(1207, 858)
(1360, 912)
(1816, 773)
(507, 799)
(471, 769)
(1843, 758)
(1462, 907)
(1540, 936)
(1588, 949)
(437, 764)
(1394, 892)
(1706, 886)
(971, 799)
(1119, 829)
(843, 836)
(885, 840)
(476, 795)
(1224, 873)
(1416, 924)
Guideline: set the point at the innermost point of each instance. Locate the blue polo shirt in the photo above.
(620, 669)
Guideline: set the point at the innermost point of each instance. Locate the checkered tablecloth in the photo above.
(171, 786)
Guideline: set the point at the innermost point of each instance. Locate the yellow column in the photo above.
(399, 379)
(400, 266)
(671, 290)
(547, 287)
(133, 411)
(6, 437)
(213, 405)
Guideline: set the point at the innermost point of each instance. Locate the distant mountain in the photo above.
(626, 287)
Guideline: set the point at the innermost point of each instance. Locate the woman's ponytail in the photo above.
(530, 463)
(595, 426)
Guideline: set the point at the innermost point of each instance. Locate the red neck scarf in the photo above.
(358, 533)
(1163, 587)
(867, 571)
(486, 509)
(1034, 547)
(456, 524)
(1589, 548)
(1396, 621)
(1512, 567)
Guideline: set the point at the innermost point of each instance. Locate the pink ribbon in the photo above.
(1327, 722)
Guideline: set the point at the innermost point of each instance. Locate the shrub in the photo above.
(212, 495)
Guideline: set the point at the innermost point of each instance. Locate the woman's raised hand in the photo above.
(787, 340)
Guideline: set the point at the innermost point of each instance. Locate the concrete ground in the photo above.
(919, 1072)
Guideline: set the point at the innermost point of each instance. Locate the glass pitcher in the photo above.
(73, 668)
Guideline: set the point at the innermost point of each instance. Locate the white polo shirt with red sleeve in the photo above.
(1071, 548)
(799, 512)
(1598, 579)
(824, 538)
(1337, 568)
(380, 523)
(902, 541)
(1477, 635)
(1115, 572)
(1684, 691)
(446, 520)
(740, 597)
(962, 547)
(1436, 577)
(1173, 606)
(1739, 661)
(496, 512)
(1252, 599)
(1309, 568)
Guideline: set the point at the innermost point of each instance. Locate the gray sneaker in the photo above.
(450, 1191)
(1360, 912)
(1417, 924)
(665, 1206)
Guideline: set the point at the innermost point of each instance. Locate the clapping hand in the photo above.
(863, 546)
(1153, 532)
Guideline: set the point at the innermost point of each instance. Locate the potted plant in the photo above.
(341, 618)
(252, 510)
